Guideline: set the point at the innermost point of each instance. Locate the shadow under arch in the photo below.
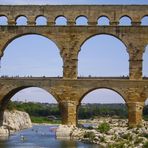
(25, 34)
(107, 88)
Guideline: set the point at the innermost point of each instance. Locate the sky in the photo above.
(60, 2)
(49, 62)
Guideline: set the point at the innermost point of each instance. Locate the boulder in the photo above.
(14, 121)
(64, 131)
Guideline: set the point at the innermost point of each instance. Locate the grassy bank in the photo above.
(44, 120)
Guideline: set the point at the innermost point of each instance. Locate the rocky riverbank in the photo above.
(109, 133)
(14, 121)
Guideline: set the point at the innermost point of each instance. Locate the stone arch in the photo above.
(113, 35)
(144, 20)
(81, 20)
(125, 20)
(103, 21)
(6, 98)
(61, 20)
(11, 39)
(41, 20)
(95, 37)
(56, 61)
(21, 20)
(12, 92)
(3, 20)
(118, 91)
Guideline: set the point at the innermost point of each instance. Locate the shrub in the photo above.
(102, 139)
(145, 135)
(104, 127)
(145, 145)
(90, 127)
(138, 140)
(90, 135)
(127, 136)
(117, 145)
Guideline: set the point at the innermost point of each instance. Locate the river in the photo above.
(40, 136)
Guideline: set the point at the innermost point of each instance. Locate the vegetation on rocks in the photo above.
(104, 127)
(114, 133)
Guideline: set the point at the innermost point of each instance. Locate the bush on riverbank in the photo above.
(104, 127)
(86, 111)
(44, 120)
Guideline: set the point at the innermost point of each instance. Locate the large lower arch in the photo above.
(103, 55)
(111, 99)
(38, 54)
(7, 97)
(115, 90)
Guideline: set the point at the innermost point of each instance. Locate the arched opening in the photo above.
(102, 104)
(41, 21)
(21, 21)
(31, 55)
(3, 21)
(103, 55)
(145, 110)
(81, 20)
(145, 62)
(61, 20)
(103, 21)
(144, 21)
(41, 106)
(125, 21)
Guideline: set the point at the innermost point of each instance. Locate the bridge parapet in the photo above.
(72, 12)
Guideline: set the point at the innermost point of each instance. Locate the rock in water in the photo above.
(64, 132)
(14, 121)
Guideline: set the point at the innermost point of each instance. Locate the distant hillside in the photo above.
(86, 111)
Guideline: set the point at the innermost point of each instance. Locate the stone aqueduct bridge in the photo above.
(69, 90)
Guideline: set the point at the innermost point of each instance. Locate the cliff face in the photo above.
(14, 121)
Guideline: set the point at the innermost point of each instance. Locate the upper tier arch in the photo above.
(109, 34)
(11, 39)
(92, 12)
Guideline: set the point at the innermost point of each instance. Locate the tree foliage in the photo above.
(86, 111)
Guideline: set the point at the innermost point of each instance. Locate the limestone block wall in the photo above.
(69, 90)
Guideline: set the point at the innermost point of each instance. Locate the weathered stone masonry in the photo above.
(69, 90)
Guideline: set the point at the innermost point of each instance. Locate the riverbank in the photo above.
(108, 133)
(14, 121)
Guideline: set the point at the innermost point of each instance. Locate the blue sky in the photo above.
(47, 61)
(73, 2)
